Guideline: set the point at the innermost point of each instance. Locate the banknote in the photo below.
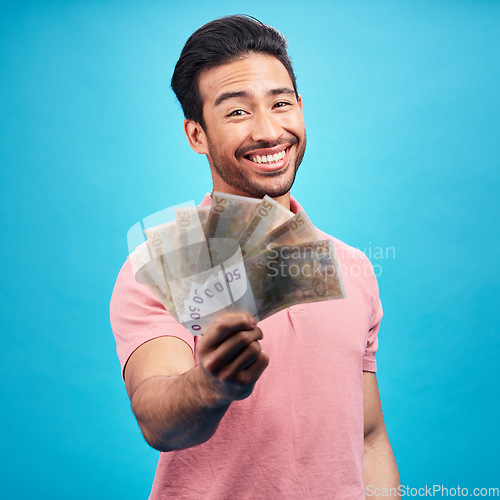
(192, 249)
(228, 215)
(163, 243)
(295, 230)
(268, 215)
(203, 215)
(147, 269)
(201, 297)
(239, 254)
(291, 274)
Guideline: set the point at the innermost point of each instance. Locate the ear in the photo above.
(299, 102)
(196, 136)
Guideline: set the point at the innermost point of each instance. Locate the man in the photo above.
(288, 408)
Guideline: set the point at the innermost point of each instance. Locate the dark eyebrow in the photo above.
(229, 95)
(241, 93)
(282, 90)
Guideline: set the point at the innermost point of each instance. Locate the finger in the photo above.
(222, 327)
(261, 360)
(230, 348)
(241, 369)
(243, 383)
(255, 370)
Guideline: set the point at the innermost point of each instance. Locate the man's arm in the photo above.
(178, 404)
(380, 469)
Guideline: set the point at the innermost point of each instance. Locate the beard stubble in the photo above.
(241, 182)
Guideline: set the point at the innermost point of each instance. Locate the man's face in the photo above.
(254, 128)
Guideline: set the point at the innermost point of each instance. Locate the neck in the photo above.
(284, 200)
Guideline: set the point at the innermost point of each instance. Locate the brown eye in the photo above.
(236, 112)
(281, 104)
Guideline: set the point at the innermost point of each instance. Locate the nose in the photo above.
(265, 127)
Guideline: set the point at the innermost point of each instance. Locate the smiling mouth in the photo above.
(269, 159)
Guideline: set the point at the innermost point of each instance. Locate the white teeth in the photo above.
(268, 158)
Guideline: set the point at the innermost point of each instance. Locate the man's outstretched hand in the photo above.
(231, 358)
(179, 404)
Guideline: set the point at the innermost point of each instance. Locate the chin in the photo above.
(274, 191)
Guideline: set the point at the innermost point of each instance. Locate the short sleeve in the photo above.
(137, 316)
(369, 362)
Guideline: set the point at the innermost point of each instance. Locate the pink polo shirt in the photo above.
(299, 435)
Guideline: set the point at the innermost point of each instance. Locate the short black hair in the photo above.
(219, 42)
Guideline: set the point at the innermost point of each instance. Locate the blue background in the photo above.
(401, 105)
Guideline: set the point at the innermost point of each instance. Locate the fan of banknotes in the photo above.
(238, 254)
